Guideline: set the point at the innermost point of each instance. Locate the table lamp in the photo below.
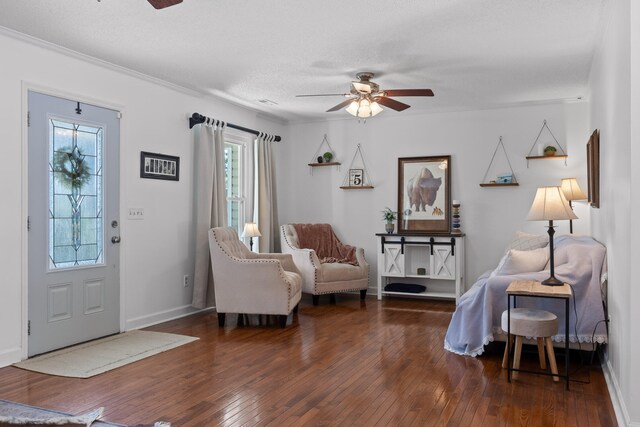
(549, 205)
(571, 191)
(251, 231)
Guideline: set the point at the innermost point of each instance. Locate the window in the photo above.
(237, 175)
(75, 195)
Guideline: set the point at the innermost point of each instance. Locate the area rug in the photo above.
(102, 355)
(12, 413)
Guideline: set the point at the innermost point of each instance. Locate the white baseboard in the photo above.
(617, 400)
(161, 316)
(7, 357)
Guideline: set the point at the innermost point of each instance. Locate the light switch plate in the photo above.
(136, 213)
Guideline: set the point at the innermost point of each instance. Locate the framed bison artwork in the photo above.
(424, 195)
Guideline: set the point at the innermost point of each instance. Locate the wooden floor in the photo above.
(352, 363)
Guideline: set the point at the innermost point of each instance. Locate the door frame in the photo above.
(24, 250)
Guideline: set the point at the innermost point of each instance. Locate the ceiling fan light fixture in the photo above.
(365, 99)
(363, 107)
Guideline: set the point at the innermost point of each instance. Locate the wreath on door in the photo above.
(73, 171)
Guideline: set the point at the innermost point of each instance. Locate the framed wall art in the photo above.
(593, 169)
(159, 166)
(424, 195)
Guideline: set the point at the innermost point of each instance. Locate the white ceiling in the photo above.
(472, 53)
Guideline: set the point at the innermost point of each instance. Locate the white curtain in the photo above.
(265, 189)
(210, 204)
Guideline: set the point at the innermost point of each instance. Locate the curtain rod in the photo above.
(197, 118)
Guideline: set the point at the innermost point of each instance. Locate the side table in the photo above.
(530, 288)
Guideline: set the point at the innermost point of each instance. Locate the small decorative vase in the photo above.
(320, 159)
(549, 153)
(389, 226)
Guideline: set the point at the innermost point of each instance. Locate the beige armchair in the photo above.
(250, 283)
(319, 277)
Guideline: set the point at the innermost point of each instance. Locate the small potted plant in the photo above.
(389, 216)
(327, 156)
(550, 150)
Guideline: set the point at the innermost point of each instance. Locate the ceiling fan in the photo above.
(161, 4)
(365, 97)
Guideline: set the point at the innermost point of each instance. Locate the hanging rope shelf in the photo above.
(324, 159)
(357, 178)
(548, 151)
(504, 180)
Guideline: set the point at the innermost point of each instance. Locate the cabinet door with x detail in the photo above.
(443, 263)
(392, 261)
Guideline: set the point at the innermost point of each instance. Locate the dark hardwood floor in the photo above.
(350, 363)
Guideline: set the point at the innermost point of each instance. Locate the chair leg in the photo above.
(363, 294)
(541, 356)
(282, 320)
(516, 356)
(221, 318)
(295, 309)
(552, 358)
(316, 299)
(332, 298)
(505, 357)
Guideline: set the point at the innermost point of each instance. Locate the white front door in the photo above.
(74, 289)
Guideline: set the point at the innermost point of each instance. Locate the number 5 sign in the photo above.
(356, 178)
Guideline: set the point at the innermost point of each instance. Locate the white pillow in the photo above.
(526, 242)
(515, 262)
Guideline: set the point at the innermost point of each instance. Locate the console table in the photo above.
(435, 261)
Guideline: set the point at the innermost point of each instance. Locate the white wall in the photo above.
(634, 338)
(157, 251)
(490, 216)
(615, 76)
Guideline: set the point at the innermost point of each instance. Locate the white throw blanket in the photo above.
(579, 261)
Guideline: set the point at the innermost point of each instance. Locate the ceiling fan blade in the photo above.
(340, 106)
(392, 103)
(324, 94)
(408, 92)
(161, 4)
(361, 87)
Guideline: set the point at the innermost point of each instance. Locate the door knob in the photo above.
(115, 239)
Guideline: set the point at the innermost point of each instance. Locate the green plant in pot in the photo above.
(389, 216)
(550, 150)
(327, 156)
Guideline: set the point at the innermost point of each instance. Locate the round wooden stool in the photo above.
(531, 322)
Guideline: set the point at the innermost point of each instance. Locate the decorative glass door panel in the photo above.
(76, 222)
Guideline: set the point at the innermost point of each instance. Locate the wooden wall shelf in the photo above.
(359, 187)
(556, 156)
(495, 184)
(313, 165)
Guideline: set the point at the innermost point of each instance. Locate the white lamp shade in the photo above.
(251, 230)
(572, 190)
(364, 110)
(550, 204)
(375, 108)
(353, 108)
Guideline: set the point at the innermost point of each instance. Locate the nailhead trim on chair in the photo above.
(258, 261)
